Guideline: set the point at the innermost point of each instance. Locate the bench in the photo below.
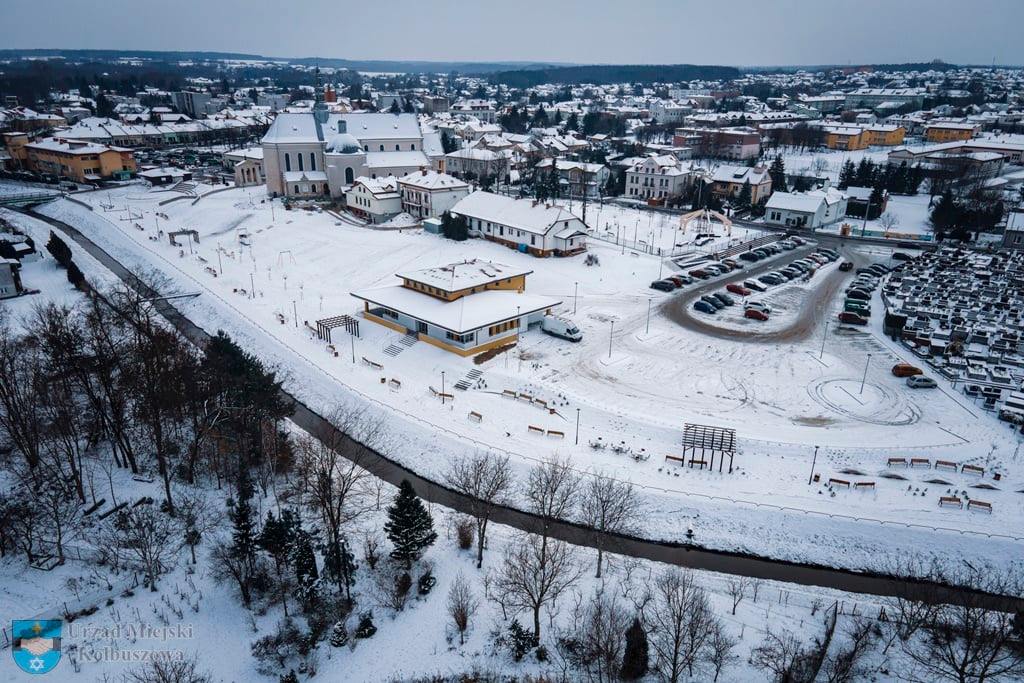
(838, 482)
(555, 432)
(702, 463)
(280, 318)
(920, 462)
(526, 397)
(897, 461)
(372, 364)
(475, 416)
(394, 384)
(508, 392)
(972, 469)
(445, 397)
(950, 500)
(947, 464)
(674, 458)
(534, 430)
(979, 505)
(540, 402)
(211, 271)
(864, 485)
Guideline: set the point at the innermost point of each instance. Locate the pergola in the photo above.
(710, 441)
(324, 327)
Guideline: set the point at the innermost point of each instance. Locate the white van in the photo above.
(560, 327)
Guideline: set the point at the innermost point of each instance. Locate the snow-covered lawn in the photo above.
(625, 384)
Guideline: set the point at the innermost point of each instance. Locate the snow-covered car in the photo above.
(920, 382)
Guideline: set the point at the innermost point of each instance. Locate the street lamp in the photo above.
(610, 333)
(810, 477)
(865, 377)
(442, 387)
(824, 336)
(575, 296)
(648, 329)
(577, 426)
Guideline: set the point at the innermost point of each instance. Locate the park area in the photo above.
(823, 408)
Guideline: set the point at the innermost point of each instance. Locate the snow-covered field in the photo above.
(629, 386)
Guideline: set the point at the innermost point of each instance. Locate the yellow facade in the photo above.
(944, 134)
(884, 137)
(847, 141)
(80, 164)
(516, 283)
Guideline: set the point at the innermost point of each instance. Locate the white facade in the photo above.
(523, 224)
(375, 199)
(657, 177)
(426, 194)
(814, 209)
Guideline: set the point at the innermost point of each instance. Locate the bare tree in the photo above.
(22, 393)
(781, 655)
(679, 621)
(846, 663)
(608, 506)
(462, 605)
(888, 221)
(148, 538)
(596, 638)
(551, 492)
(720, 648)
(738, 586)
(486, 479)
(169, 671)
(535, 574)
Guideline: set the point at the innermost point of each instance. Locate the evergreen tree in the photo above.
(847, 175)
(448, 143)
(303, 560)
(289, 677)
(407, 108)
(635, 657)
(454, 227)
(104, 108)
(339, 564)
(277, 534)
(875, 201)
(944, 215)
(394, 108)
(558, 116)
(573, 122)
(743, 200)
(243, 528)
(339, 635)
(409, 527)
(777, 171)
(540, 117)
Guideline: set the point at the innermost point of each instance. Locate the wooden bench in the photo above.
(702, 463)
(526, 397)
(540, 402)
(475, 416)
(838, 482)
(508, 392)
(445, 397)
(372, 364)
(947, 464)
(534, 430)
(950, 500)
(897, 461)
(394, 384)
(920, 462)
(864, 485)
(972, 469)
(555, 432)
(675, 458)
(979, 505)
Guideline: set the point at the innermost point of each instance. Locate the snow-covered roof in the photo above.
(465, 314)
(740, 174)
(69, 146)
(301, 127)
(793, 201)
(431, 180)
(523, 214)
(299, 176)
(408, 159)
(455, 277)
(381, 188)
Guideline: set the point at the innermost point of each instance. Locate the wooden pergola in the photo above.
(710, 441)
(324, 326)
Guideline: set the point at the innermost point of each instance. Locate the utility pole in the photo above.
(252, 287)
(577, 426)
(864, 225)
(865, 377)
(610, 333)
(810, 477)
(352, 338)
(220, 262)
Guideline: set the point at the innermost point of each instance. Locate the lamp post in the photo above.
(648, 329)
(577, 426)
(610, 333)
(352, 338)
(814, 461)
(865, 377)
(295, 313)
(824, 335)
(575, 296)
(442, 387)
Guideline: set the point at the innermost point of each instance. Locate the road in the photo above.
(685, 555)
(679, 307)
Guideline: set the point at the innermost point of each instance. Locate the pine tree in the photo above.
(303, 561)
(743, 200)
(573, 122)
(277, 534)
(243, 531)
(847, 175)
(777, 171)
(339, 635)
(409, 527)
(635, 656)
(394, 109)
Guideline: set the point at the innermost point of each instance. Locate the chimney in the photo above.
(341, 126)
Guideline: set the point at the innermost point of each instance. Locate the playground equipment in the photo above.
(194, 234)
(705, 221)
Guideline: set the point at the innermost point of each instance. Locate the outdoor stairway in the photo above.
(469, 380)
(185, 187)
(395, 348)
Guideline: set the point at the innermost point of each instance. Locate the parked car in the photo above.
(712, 301)
(787, 245)
(852, 318)
(732, 263)
(846, 266)
(748, 256)
(699, 274)
(901, 256)
(906, 370)
(663, 285)
(704, 306)
(797, 240)
(921, 383)
(769, 280)
(755, 285)
(858, 307)
(755, 314)
(859, 294)
(724, 298)
(677, 280)
(764, 308)
(738, 289)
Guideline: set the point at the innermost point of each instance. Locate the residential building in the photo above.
(72, 159)
(190, 102)
(1013, 233)
(247, 165)
(847, 138)
(657, 176)
(428, 194)
(883, 135)
(374, 199)
(950, 131)
(523, 224)
(872, 97)
(10, 278)
(434, 104)
(576, 179)
(465, 308)
(165, 175)
(476, 163)
(477, 108)
(724, 143)
(814, 209)
(728, 182)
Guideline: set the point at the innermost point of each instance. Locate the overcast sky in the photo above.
(733, 32)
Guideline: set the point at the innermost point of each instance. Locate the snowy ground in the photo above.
(629, 386)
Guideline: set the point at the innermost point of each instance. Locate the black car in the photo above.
(748, 256)
(663, 285)
(846, 266)
(724, 298)
(707, 298)
(901, 256)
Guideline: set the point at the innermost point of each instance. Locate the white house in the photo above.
(577, 177)
(478, 163)
(657, 176)
(375, 199)
(523, 224)
(427, 194)
(814, 209)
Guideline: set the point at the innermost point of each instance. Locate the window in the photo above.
(348, 175)
(287, 162)
(398, 148)
(312, 161)
(296, 189)
(300, 163)
(460, 338)
(382, 148)
(413, 146)
(503, 327)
